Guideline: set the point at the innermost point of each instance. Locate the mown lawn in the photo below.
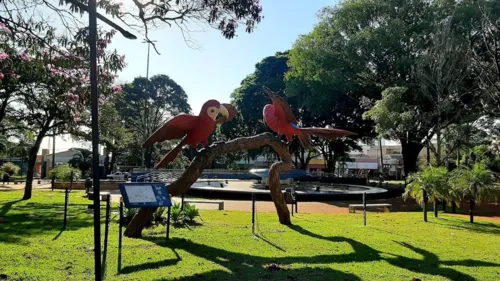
(395, 246)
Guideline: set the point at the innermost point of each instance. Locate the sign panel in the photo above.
(143, 195)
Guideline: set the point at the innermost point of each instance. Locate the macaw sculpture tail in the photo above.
(304, 135)
(170, 156)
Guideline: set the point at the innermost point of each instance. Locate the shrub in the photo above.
(10, 168)
(191, 212)
(64, 173)
(128, 215)
(176, 214)
(159, 216)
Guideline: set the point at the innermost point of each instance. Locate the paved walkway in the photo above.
(12, 186)
(327, 207)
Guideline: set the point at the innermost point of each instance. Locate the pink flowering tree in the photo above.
(49, 87)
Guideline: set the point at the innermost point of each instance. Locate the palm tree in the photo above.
(476, 183)
(429, 184)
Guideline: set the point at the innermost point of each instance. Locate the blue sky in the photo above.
(218, 67)
(215, 69)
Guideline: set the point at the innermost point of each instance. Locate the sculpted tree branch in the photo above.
(203, 160)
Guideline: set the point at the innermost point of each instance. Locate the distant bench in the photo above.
(221, 203)
(387, 207)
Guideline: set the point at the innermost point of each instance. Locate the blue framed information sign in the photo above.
(143, 195)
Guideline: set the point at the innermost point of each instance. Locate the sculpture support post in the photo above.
(205, 158)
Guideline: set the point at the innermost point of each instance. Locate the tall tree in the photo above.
(113, 134)
(482, 19)
(56, 97)
(146, 104)
(445, 94)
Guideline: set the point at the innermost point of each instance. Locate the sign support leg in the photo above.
(168, 223)
(106, 232)
(120, 236)
(364, 208)
(253, 214)
(66, 199)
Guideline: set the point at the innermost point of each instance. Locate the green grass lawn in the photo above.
(394, 246)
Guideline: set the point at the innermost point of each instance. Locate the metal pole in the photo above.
(66, 195)
(53, 158)
(364, 208)
(106, 233)
(182, 202)
(253, 214)
(95, 137)
(168, 223)
(120, 236)
(147, 67)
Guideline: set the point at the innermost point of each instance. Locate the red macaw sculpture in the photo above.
(280, 118)
(193, 130)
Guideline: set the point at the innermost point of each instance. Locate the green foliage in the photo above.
(190, 213)
(393, 117)
(83, 164)
(10, 168)
(144, 106)
(176, 214)
(65, 173)
(477, 183)
(159, 216)
(181, 217)
(128, 214)
(432, 180)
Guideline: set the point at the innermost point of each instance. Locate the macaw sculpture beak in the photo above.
(223, 113)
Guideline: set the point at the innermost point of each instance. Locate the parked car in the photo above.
(118, 176)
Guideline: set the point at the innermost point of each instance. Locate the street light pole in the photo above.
(147, 78)
(92, 40)
(95, 137)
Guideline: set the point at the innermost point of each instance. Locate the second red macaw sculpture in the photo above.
(280, 118)
(191, 129)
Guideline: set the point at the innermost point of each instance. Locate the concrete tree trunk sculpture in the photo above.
(203, 160)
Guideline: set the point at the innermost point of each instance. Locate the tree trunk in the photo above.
(106, 163)
(410, 153)
(438, 144)
(428, 155)
(112, 163)
(206, 156)
(381, 156)
(28, 189)
(453, 207)
(444, 205)
(424, 207)
(472, 204)
(435, 208)
(471, 209)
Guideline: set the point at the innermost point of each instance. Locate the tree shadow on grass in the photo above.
(32, 218)
(7, 206)
(249, 267)
(430, 264)
(461, 224)
(148, 265)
